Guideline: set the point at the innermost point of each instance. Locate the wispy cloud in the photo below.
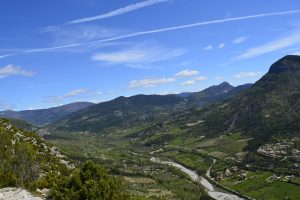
(189, 82)
(75, 47)
(209, 47)
(79, 95)
(186, 73)
(152, 82)
(194, 81)
(83, 33)
(119, 11)
(51, 48)
(239, 40)
(12, 70)
(220, 21)
(144, 83)
(247, 74)
(286, 41)
(203, 24)
(7, 55)
(140, 55)
(201, 78)
(210, 22)
(73, 93)
(221, 46)
(113, 13)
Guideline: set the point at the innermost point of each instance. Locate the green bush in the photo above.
(89, 182)
(7, 179)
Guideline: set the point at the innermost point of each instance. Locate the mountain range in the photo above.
(42, 117)
(127, 111)
(122, 110)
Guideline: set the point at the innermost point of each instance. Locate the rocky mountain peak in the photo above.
(287, 63)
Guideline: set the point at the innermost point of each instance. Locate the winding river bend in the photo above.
(212, 190)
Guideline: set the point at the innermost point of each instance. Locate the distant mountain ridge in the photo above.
(215, 90)
(210, 91)
(122, 111)
(126, 111)
(43, 117)
(216, 93)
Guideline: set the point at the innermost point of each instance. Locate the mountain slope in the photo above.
(122, 111)
(28, 163)
(22, 124)
(43, 117)
(26, 159)
(270, 107)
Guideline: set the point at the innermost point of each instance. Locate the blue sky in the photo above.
(61, 51)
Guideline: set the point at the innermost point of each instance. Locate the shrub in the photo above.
(89, 182)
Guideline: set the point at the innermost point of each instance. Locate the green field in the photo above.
(258, 187)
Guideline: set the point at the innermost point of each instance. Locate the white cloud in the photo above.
(239, 40)
(218, 77)
(150, 82)
(99, 93)
(247, 74)
(119, 11)
(201, 78)
(275, 45)
(127, 56)
(186, 73)
(189, 82)
(73, 93)
(222, 45)
(194, 81)
(209, 47)
(159, 81)
(12, 70)
(139, 55)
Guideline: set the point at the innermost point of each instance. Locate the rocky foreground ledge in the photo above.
(16, 194)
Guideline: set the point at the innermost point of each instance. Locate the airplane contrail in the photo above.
(198, 24)
(119, 11)
(113, 13)
(166, 29)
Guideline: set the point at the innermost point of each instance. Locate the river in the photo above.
(212, 190)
